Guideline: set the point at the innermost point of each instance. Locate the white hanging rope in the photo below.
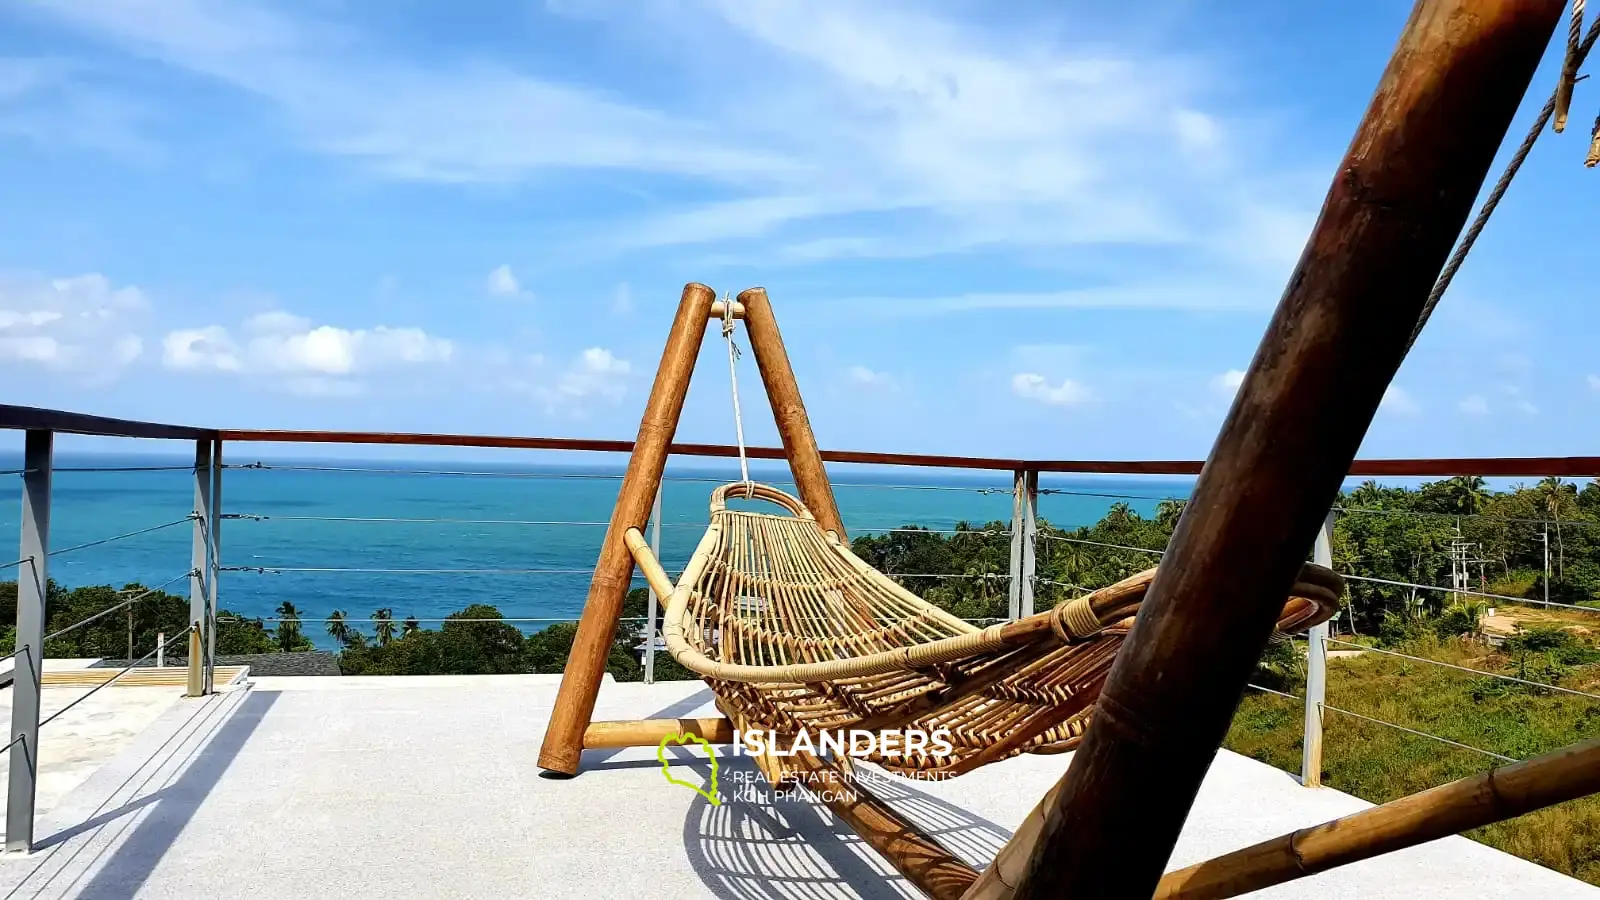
(733, 379)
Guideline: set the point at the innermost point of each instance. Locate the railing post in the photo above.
(1030, 540)
(161, 649)
(213, 580)
(1316, 672)
(33, 581)
(650, 609)
(1019, 538)
(200, 568)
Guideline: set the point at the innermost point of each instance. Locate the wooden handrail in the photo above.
(1489, 467)
(32, 418)
(28, 417)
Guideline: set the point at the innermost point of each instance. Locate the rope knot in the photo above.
(1075, 621)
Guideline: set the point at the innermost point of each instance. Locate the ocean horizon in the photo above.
(426, 538)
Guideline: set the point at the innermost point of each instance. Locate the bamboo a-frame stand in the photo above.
(1107, 829)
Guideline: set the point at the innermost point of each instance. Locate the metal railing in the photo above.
(1022, 575)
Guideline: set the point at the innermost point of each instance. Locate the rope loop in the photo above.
(733, 381)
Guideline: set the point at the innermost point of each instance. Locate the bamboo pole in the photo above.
(915, 854)
(580, 684)
(649, 732)
(1399, 200)
(1470, 802)
(794, 427)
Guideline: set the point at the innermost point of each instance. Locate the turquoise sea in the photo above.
(352, 535)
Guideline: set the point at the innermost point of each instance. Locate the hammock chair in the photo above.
(795, 633)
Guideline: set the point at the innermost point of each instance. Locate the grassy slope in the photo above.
(1380, 764)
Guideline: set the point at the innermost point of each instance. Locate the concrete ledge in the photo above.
(428, 788)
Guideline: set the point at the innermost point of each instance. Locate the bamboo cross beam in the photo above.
(1468, 803)
(1397, 203)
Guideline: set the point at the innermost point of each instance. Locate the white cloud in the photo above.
(970, 133)
(1398, 400)
(210, 347)
(863, 377)
(1474, 405)
(502, 283)
(1594, 382)
(276, 322)
(1033, 386)
(32, 348)
(1203, 296)
(81, 324)
(315, 359)
(596, 375)
(1227, 384)
(622, 300)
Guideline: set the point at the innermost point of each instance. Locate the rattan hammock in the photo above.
(795, 633)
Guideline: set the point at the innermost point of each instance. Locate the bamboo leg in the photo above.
(918, 856)
(649, 732)
(794, 427)
(1401, 196)
(1461, 805)
(580, 684)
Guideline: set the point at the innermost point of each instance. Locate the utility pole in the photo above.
(1546, 536)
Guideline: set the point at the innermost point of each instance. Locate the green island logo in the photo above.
(710, 790)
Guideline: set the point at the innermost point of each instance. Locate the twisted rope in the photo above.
(1576, 53)
(733, 380)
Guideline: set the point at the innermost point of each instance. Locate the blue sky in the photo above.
(1027, 229)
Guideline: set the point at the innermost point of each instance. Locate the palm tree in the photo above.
(288, 626)
(410, 627)
(1168, 512)
(338, 628)
(1555, 493)
(383, 624)
(1467, 493)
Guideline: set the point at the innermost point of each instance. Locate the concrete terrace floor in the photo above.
(428, 788)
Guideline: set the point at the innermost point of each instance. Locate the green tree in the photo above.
(339, 628)
(383, 625)
(410, 626)
(1557, 494)
(290, 637)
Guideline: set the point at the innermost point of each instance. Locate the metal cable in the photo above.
(115, 678)
(1453, 516)
(262, 517)
(1469, 593)
(1435, 737)
(585, 476)
(1468, 669)
(126, 603)
(262, 570)
(1105, 496)
(1575, 59)
(189, 518)
(1268, 690)
(21, 562)
(1068, 540)
(173, 468)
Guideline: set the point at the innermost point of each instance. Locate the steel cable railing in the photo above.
(117, 677)
(125, 535)
(1468, 669)
(123, 605)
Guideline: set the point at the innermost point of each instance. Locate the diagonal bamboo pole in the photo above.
(580, 683)
(1400, 198)
(1461, 805)
(794, 427)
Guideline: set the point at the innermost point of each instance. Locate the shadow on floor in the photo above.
(759, 846)
(170, 783)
